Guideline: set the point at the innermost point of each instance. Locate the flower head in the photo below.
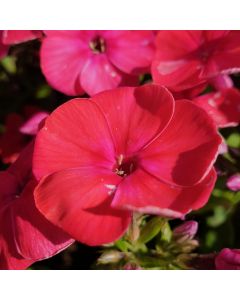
(128, 149)
(78, 61)
(186, 58)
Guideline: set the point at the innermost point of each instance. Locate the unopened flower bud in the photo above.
(233, 182)
(228, 259)
(186, 231)
(110, 257)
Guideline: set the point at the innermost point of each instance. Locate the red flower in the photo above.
(228, 259)
(91, 61)
(25, 235)
(19, 130)
(11, 37)
(186, 58)
(3, 48)
(128, 149)
(223, 107)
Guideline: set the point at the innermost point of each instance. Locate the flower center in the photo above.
(97, 45)
(126, 166)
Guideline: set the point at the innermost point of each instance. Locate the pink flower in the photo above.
(19, 130)
(223, 107)
(78, 61)
(3, 48)
(11, 37)
(186, 58)
(128, 149)
(233, 182)
(25, 235)
(228, 259)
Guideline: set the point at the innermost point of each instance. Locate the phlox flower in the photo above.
(25, 235)
(187, 58)
(127, 149)
(19, 131)
(11, 37)
(223, 106)
(78, 61)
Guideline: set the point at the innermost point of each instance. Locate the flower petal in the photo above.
(9, 258)
(135, 115)
(131, 51)
(74, 135)
(177, 75)
(11, 37)
(185, 152)
(223, 107)
(78, 201)
(62, 59)
(98, 74)
(146, 194)
(36, 238)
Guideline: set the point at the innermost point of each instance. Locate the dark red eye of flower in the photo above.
(98, 45)
(125, 166)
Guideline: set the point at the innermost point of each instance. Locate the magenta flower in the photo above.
(228, 259)
(25, 235)
(78, 61)
(128, 149)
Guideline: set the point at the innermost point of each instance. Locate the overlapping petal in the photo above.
(80, 204)
(35, 237)
(144, 193)
(74, 135)
(185, 152)
(98, 74)
(131, 51)
(135, 116)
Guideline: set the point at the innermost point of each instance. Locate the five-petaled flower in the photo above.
(78, 61)
(127, 149)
